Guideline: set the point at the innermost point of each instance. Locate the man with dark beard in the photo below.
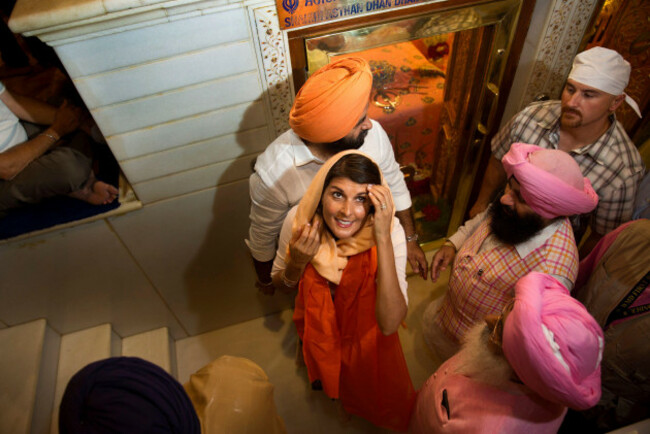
(329, 115)
(526, 229)
(519, 371)
(583, 124)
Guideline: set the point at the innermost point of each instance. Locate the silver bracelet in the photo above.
(288, 283)
(50, 136)
(413, 237)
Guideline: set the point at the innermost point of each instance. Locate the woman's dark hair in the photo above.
(358, 168)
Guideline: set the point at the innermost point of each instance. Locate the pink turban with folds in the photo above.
(554, 345)
(330, 104)
(550, 181)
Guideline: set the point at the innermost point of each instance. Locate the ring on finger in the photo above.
(383, 205)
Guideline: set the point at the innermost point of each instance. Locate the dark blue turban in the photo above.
(126, 395)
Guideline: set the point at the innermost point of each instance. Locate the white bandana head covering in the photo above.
(603, 69)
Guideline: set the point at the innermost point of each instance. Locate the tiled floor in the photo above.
(271, 343)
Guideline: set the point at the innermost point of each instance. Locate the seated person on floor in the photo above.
(613, 285)
(523, 230)
(131, 395)
(518, 372)
(344, 250)
(58, 161)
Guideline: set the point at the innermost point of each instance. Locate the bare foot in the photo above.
(96, 193)
(103, 193)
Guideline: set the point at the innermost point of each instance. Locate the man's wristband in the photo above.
(288, 283)
(450, 244)
(413, 237)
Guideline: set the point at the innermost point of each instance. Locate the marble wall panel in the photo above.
(163, 75)
(184, 131)
(198, 154)
(195, 179)
(118, 50)
(179, 103)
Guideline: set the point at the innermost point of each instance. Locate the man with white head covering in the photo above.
(583, 124)
(519, 371)
(525, 229)
(329, 115)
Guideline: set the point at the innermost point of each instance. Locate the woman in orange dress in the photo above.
(345, 252)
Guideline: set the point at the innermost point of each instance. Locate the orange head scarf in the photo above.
(332, 255)
(331, 102)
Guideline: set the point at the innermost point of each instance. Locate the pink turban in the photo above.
(554, 345)
(330, 104)
(551, 181)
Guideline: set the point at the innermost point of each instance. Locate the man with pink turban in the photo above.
(523, 230)
(519, 371)
(329, 115)
(583, 124)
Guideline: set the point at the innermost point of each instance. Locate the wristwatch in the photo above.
(413, 237)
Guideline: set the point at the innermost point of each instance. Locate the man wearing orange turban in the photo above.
(329, 115)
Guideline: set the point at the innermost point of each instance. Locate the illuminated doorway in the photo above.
(437, 77)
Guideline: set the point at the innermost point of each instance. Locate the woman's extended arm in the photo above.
(390, 308)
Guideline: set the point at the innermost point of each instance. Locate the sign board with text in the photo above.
(293, 14)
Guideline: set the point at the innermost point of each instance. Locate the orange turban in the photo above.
(331, 102)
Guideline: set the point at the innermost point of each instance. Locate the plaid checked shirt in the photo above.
(483, 281)
(612, 163)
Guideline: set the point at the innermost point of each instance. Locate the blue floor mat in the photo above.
(51, 212)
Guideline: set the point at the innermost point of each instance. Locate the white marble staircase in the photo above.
(36, 364)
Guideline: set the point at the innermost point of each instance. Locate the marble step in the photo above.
(77, 350)
(155, 346)
(28, 363)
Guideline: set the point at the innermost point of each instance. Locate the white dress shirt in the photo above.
(11, 130)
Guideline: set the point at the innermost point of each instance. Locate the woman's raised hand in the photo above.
(380, 197)
(304, 242)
